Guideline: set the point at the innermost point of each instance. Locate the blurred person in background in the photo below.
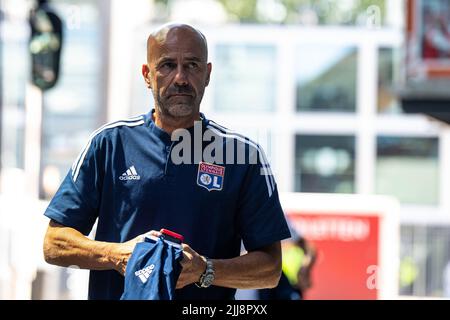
(299, 257)
(126, 177)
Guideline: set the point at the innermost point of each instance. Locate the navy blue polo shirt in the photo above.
(128, 178)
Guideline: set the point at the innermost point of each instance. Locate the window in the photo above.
(408, 169)
(74, 108)
(425, 261)
(388, 63)
(14, 67)
(326, 78)
(141, 97)
(244, 77)
(325, 164)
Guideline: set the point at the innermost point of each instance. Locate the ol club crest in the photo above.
(210, 176)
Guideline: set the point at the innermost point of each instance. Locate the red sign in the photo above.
(348, 253)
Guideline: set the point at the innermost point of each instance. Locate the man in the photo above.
(299, 256)
(129, 177)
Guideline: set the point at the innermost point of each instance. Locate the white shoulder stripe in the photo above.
(265, 162)
(218, 126)
(93, 134)
(267, 172)
(79, 163)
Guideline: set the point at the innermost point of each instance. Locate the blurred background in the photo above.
(346, 97)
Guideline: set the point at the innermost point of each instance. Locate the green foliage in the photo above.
(334, 12)
(242, 10)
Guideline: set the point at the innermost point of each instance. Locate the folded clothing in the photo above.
(153, 269)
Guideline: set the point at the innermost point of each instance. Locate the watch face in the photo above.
(208, 280)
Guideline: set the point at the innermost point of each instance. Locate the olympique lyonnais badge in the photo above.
(210, 176)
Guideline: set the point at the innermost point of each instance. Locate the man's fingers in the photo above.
(154, 233)
(182, 281)
(187, 257)
(187, 248)
(180, 285)
(141, 237)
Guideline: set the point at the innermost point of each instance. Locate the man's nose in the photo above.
(181, 76)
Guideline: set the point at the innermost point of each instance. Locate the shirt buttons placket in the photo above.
(168, 160)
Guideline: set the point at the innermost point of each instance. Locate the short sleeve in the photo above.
(295, 235)
(261, 220)
(76, 202)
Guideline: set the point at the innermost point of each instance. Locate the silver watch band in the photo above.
(207, 278)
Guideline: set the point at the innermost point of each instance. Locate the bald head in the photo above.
(177, 71)
(176, 32)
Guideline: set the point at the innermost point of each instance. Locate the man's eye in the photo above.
(192, 65)
(168, 65)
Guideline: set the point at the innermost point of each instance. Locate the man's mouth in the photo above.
(180, 95)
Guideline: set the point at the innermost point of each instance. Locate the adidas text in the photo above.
(130, 178)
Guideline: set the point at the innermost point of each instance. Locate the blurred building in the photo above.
(319, 98)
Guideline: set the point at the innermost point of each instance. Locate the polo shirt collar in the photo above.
(164, 136)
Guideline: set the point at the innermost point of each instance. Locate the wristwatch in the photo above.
(207, 278)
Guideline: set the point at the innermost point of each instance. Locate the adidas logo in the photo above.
(145, 273)
(130, 174)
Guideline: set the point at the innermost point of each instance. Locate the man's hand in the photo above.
(304, 278)
(193, 266)
(121, 252)
(304, 273)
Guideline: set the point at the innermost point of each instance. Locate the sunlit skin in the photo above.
(177, 72)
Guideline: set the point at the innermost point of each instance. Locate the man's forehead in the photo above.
(188, 50)
(186, 55)
(177, 38)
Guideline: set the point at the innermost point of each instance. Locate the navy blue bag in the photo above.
(152, 271)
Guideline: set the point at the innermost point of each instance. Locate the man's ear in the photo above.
(146, 75)
(208, 77)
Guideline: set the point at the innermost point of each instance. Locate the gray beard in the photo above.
(174, 111)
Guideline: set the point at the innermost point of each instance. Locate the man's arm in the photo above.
(256, 269)
(65, 246)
